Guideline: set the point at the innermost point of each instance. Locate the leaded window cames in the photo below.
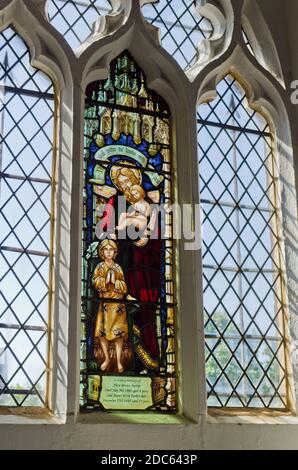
(243, 281)
(26, 120)
(244, 288)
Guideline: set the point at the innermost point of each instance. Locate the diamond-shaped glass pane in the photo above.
(26, 122)
(242, 267)
(181, 27)
(74, 18)
(15, 65)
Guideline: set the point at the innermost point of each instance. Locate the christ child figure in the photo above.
(139, 212)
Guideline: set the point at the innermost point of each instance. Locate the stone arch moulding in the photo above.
(164, 76)
(105, 25)
(50, 56)
(108, 24)
(220, 13)
(217, 12)
(47, 51)
(261, 39)
(267, 96)
(262, 88)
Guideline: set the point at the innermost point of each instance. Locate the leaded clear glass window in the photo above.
(244, 285)
(74, 18)
(181, 26)
(128, 327)
(26, 205)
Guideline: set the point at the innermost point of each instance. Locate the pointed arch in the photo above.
(27, 201)
(261, 40)
(77, 22)
(54, 60)
(264, 97)
(46, 51)
(166, 79)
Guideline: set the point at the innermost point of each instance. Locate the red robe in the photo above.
(143, 277)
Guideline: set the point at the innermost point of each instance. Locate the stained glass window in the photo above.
(74, 18)
(244, 286)
(26, 198)
(127, 329)
(181, 28)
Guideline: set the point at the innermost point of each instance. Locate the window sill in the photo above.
(250, 417)
(127, 417)
(30, 415)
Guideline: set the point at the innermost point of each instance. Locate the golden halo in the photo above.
(125, 164)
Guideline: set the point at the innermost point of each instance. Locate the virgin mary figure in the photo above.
(141, 261)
